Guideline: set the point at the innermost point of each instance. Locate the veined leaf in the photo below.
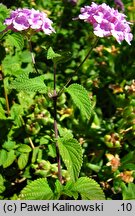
(89, 189)
(37, 190)
(71, 153)
(16, 39)
(68, 190)
(24, 83)
(81, 98)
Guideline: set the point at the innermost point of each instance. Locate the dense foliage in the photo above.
(95, 111)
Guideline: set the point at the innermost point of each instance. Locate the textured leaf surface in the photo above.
(17, 40)
(24, 83)
(81, 99)
(71, 153)
(37, 190)
(68, 190)
(89, 189)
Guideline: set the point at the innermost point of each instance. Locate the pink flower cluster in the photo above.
(107, 21)
(25, 19)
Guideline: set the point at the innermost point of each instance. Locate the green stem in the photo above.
(55, 126)
(80, 65)
(32, 55)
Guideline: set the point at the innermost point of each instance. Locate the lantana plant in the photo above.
(106, 22)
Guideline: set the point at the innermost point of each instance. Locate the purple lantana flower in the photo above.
(107, 21)
(119, 4)
(25, 19)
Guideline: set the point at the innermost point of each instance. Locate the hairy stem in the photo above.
(32, 55)
(55, 126)
(77, 69)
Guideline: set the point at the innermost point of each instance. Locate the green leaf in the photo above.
(34, 154)
(93, 167)
(37, 190)
(3, 14)
(24, 83)
(40, 154)
(52, 150)
(130, 157)
(9, 145)
(65, 133)
(68, 190)
(10, 159)
(128, 192)
(89, 189)
(58, 58)
(26, 56)
(71, 153)
(2, 28)
(2, 113)
(23, 148)
(64, 57)
(16, 39)
(2, 187)
(11, 65)
(3, 156)
(81, 99)
(58, 190)
(128, 166)
(23, 160)
(51, 54)
(16, 114)
(25, 99)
